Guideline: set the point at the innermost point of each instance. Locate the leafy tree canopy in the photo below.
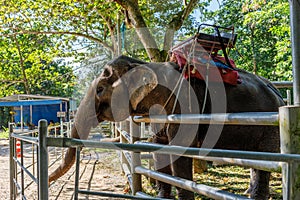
(263, 30)
(98, 21)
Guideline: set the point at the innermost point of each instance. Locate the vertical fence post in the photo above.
(43, 160)
(290, 144)
(22, 171)
(76, 187)
(12, 163)
(295, 39)
(135, 135)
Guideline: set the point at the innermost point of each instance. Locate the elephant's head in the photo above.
(123, 84)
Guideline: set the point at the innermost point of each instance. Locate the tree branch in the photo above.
(11, 81)
(22, 31)
(22, 65)
(177, 22)
(137, 20)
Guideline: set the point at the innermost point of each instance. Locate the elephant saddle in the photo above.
(199, 59)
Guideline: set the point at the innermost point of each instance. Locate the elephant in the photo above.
(129, 87)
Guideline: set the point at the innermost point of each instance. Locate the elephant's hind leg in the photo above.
(259, 185)
(182, 167)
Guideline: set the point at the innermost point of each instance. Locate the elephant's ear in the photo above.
(140, 81)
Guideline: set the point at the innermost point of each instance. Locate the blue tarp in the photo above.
(48, 112)
(41, 109)
(29, 102)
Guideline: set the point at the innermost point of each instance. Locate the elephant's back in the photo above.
(253, 94)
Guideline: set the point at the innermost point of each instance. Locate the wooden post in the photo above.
(289, 124)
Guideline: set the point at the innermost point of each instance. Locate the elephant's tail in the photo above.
(64, 167)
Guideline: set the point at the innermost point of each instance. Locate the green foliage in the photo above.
(73, 28)
(4, 117)
(263, 35)
(29, 61)
(4, 134)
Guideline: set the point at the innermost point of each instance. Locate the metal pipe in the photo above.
(208, 191)
(22, 169)
(29, 139)
(11, 163)
(247, 118)
(76, 186)
(26, 170)
(295, 38)
(283, 84)
(127, 173)
(147, 156)
(174, 150)
(128, 156)
(146, 196)
(22, 119)
(109, 194)
(125, 135)
(43, 160)
(257, 164)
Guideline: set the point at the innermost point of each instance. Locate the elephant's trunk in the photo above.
(85, 119)
(64, 166)
(67, 162)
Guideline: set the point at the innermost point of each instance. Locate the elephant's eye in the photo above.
(99, 90)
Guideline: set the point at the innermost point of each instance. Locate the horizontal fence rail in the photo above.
(264, 165)
(247, 118)
(174, 150)
(283, 84)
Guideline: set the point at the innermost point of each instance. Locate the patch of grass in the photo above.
(235, 179)
(4, 134)
(232, 179)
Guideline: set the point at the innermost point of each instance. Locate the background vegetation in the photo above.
(57, 47)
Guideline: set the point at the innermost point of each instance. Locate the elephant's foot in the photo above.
(165, 195)
(164, 190)
(185, 194)
(260, 196)
(248, 191)
(259, 185)
(257, 195)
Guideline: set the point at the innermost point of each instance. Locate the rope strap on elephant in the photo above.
(200, 55)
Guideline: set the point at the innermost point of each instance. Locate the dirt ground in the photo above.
(99, 171)
(4, 169)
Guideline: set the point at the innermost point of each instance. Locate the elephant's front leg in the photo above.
(183, 135)
(259, 184)
(162, 163)
(182, 167)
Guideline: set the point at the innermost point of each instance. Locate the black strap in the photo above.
(223, 48)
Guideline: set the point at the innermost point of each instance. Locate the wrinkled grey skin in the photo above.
(106, 100)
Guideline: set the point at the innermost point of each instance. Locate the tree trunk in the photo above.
(137, 20)
(26, 86)
(253, 51)
(148, 41)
